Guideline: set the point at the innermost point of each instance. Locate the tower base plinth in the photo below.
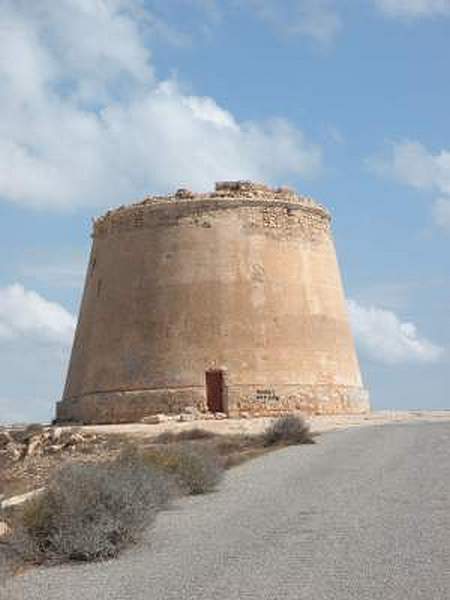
(253, 400)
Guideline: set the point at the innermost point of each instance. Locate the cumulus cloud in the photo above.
(85, 121)
(384, 338)
(411, 163)
(316, 19)
(24, 313)
(413, 8)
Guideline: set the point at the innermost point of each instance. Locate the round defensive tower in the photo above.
(229, 301)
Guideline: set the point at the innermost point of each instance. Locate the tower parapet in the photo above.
(228, 195)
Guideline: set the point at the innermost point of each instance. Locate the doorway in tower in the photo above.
(214, 390)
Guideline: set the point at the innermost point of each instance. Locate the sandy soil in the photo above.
(103, 441)
(318, 424)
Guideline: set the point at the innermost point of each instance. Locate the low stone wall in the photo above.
(254, 400)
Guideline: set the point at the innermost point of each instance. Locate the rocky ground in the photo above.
(28, 454)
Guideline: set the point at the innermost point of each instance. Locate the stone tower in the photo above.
(229, 301)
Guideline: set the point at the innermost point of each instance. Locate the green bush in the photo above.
(196, 470)
(89, 512)
(288, 430)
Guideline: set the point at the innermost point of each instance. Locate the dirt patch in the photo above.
(29, 454)
(27, 464)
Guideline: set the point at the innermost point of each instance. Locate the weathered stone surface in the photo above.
(310, 399)
(151, 420)
(186, 417)
(4, 529)
(35, 446)
(131, 406)
(15, 501)
(243, 279)
(21, 444)
(192, 410)
(5, 438)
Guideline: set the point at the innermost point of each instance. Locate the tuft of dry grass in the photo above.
(288, 430)
(196, 433)
(234, 449)
(196, 469)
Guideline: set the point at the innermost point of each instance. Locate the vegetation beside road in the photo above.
(93, 510)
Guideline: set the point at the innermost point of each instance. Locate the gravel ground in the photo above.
(364, 514)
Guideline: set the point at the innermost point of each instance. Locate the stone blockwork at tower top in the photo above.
(231, 194)
(228, 301)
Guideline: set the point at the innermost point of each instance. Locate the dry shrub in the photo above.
(196, 433)
(227, 444)
(196, 470)
(288, 430)
(22, 435)
(89, 512)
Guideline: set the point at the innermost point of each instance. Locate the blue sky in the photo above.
(105, 101)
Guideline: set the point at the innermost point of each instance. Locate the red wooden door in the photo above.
(214, 391)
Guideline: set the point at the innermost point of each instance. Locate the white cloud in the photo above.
(35, 340)
(412, 164)
(84, 120)
(24, 313)
(383, 337)
(413, 8)
(316, 19)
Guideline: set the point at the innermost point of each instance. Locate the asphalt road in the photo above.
(364, 514)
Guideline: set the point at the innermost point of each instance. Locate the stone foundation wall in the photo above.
(254, 400)
(258, 400)
(129, 407)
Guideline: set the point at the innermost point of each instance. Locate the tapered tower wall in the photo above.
(243, 280)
